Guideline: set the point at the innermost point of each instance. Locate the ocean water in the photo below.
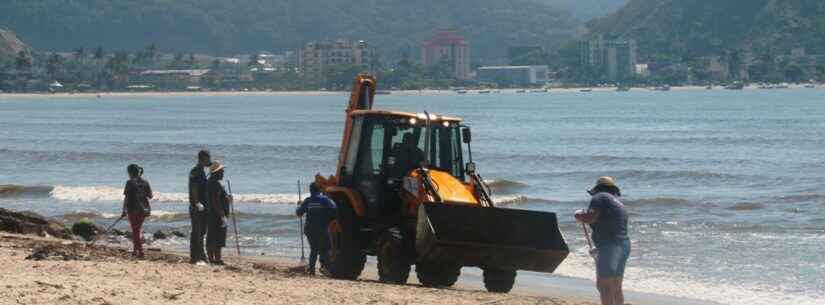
(726, 189)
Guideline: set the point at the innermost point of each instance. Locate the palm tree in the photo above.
(54, 65)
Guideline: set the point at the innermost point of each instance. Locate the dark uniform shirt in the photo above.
(197, 186)
(319, 210)
(612, 223)
(137, 192)
(218, 198)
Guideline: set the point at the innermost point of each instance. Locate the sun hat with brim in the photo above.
(215, 167)
(605, 181)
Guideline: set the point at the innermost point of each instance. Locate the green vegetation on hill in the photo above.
(678, 28)
(587, 9)
(243, 26)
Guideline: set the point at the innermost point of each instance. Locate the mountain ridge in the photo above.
(225, 28)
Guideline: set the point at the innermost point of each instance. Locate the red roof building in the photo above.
(448, 46)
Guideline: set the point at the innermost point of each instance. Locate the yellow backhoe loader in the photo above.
(406, 195)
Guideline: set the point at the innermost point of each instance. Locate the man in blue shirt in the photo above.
(607, 216)
(319, 211)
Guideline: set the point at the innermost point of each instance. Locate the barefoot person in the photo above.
(319, 210)
(197, 206)
(607, 216)
(136, 205)
(218, 207)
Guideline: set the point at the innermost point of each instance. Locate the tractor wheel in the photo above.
(393, 267)
(500, 281)
(345, 260)
(437, 275)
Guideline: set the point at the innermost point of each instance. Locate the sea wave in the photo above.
(108, 194)
(505, 186)
(519, 199)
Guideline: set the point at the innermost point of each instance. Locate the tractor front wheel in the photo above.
(500, 281)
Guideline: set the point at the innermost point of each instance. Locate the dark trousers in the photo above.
(197, 235)
(318, 246)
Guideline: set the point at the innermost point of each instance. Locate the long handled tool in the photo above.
(108, 229)
(301, 223)
(234, 219)
(591, 250)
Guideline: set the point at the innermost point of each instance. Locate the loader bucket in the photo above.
(504, 239)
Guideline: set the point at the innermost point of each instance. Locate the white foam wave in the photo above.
(109, 194)
(580, 265)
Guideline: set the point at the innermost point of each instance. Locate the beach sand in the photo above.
(67, 272)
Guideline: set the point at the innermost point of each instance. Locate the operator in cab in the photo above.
(407, 155)
(319, 211)
(608, 219)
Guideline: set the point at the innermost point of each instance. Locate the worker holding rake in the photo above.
(319, 211)
(607, 216)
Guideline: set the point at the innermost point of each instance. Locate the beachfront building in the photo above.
(508, 76)
(448, 46)
(616, 59)
(315, 57)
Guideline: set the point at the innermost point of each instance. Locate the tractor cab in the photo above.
(387, 150)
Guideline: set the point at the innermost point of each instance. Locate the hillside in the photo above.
(704, 27)
(230, 27)
(10, 45)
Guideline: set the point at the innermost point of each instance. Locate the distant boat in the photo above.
(383, 92)
(810, 86)
(543, 90)
(586, 90)
(483, 91)
(662, 88)
(709, 87)
(521, 91)
(623, 89)
(461, 91)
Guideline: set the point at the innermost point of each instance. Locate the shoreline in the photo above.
(117, 279)
(344, 93)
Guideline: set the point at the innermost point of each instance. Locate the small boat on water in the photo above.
(810, 86)
(586, 90)
(483, 91)
(543, 90)
(461, 91)
(521, 91)
(662, 88)
(623, 89)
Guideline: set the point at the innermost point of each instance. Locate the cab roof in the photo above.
(410, 115)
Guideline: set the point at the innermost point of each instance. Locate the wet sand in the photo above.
(49, 271)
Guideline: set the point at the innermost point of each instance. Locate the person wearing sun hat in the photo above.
(217, 209)
(608, 219)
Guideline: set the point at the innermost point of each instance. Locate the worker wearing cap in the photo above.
(319, 210)
(197, 206)
(218, 209)
(607, 217)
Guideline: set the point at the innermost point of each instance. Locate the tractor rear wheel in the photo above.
(346, 261)
(393, 267)
(437, 275)
(500, 281)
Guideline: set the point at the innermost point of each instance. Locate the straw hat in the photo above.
(215, 167)
(605, 181)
